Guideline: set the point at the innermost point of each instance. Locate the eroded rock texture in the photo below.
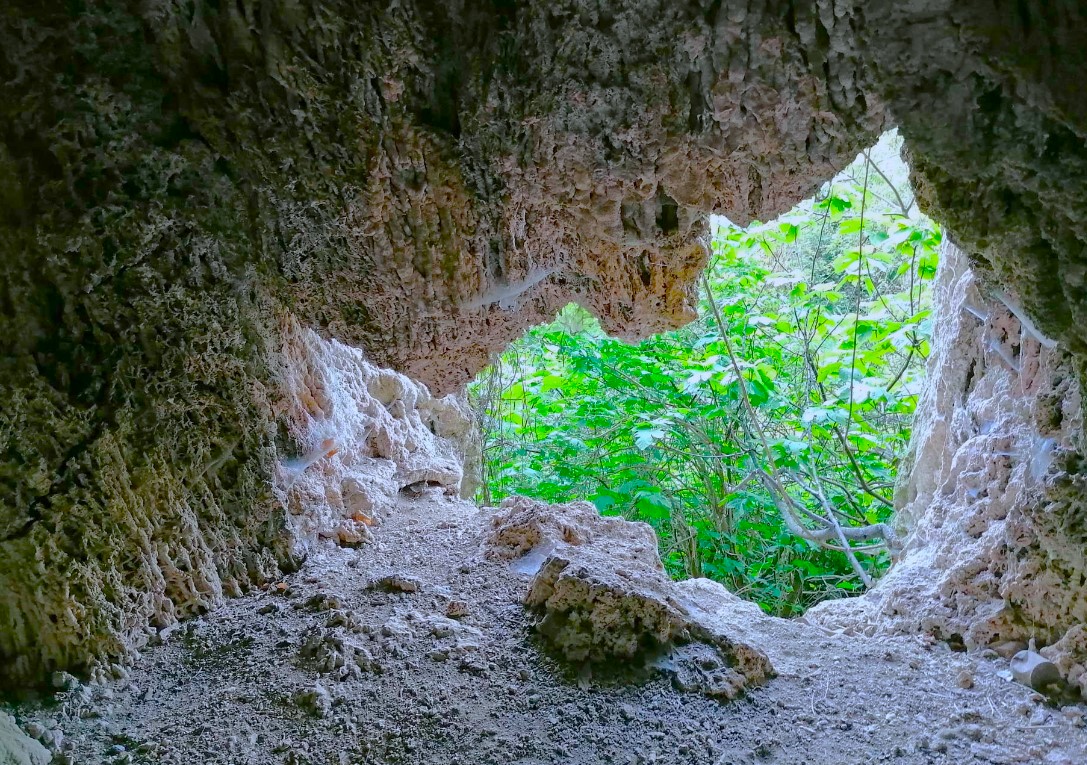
(365, 434)
(602, 594)
(182, 183)
(350, 437)
(990, 99)
(993, 497)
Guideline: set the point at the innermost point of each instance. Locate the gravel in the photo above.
(417, 649)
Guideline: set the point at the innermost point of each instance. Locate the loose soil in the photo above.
(415, 649)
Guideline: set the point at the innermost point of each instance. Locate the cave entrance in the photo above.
(781, 487)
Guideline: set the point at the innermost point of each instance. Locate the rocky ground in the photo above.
(416, 648)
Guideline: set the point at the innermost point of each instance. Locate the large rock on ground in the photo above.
(17, 748)
(603, 595)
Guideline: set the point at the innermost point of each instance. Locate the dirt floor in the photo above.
(414, 649)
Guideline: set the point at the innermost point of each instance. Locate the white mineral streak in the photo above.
(365, 433)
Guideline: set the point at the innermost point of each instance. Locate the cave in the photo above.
(250, 253)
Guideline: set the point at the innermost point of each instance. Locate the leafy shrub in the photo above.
(762, 440)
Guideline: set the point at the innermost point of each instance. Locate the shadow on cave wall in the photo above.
(182, 183)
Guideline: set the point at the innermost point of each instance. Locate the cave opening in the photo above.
(825, 313)
(242, 508)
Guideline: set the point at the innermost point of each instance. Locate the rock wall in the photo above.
(992, 495)
(172, 538)
(181, 182)
(989, 98)
(359, 436)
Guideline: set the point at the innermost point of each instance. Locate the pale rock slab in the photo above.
(17, 748)
(603, 594)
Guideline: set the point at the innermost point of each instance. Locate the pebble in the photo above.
(316, 699)
(63, 681)
(456, 609)
(965, 678)
(1076, 715)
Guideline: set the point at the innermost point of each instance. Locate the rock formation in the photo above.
(350, 437)
(992, 495)
(603, 595)
(185, 185)
(17, 748)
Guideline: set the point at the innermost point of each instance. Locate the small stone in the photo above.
(1075, 715)
(972, 732)
(317, 700)
(456, 609)
(1006, 649)
(63, 681)
(396, 583)
(439, 630)
(965, 678)
(473, 665)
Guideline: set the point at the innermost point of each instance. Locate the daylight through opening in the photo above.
(782, 487)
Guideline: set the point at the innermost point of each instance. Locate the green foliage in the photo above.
(822, 316)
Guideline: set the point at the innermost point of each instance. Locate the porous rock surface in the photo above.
(993, 496)
(603, 595)
(362, 434)
(182, 184)
(351, 436)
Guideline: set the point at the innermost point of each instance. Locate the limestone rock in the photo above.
(17, 748)
(992, 495)
(396, 582)
(348, 437)
(1070, 655)
(425, 181)
(362, 434)
(603, 595)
